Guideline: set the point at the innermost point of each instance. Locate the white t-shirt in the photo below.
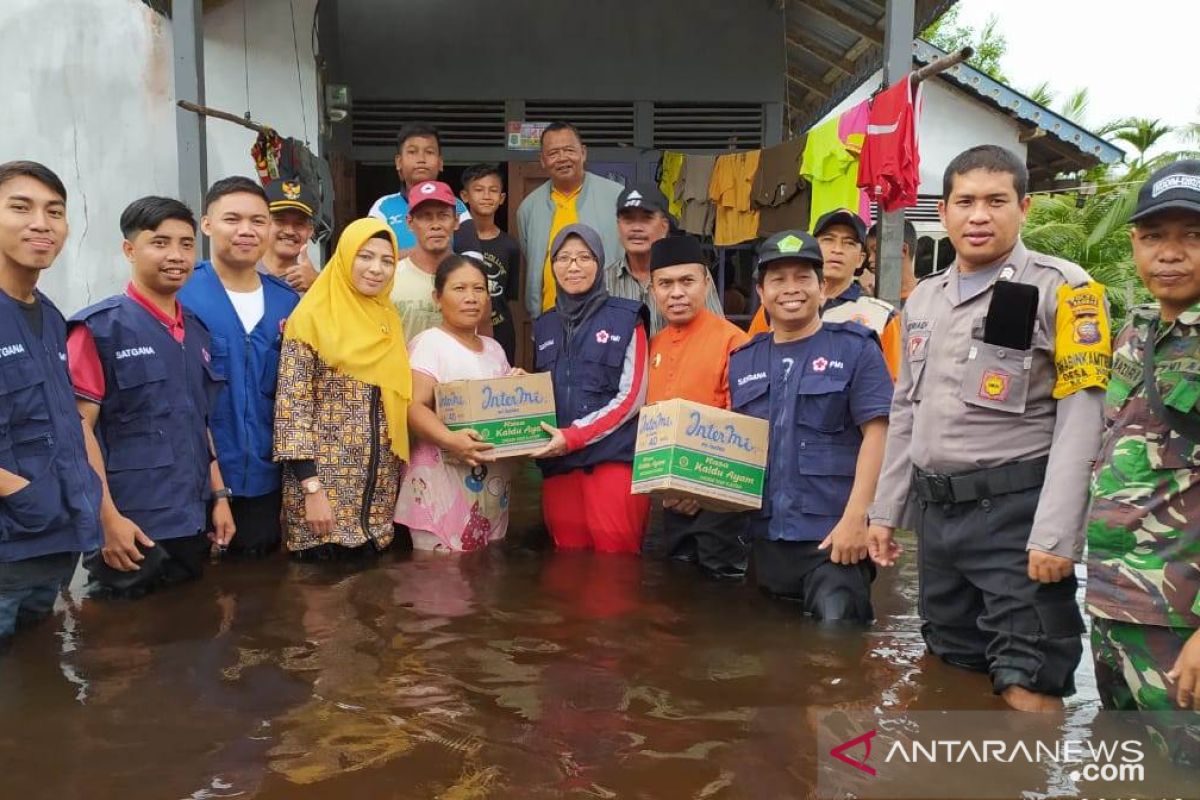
(444, 358)
(250, 306)
(412, 294)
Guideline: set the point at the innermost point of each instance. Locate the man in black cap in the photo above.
(689, 359)
(643, 219)
(293, 206)
(1143, 555)
(842, 235)
(825, 390)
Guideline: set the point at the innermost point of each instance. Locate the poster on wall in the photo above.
(525, 135)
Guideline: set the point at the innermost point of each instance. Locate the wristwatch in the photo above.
(311, 486)
(223, 494)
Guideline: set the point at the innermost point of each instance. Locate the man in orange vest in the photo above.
(842, 236)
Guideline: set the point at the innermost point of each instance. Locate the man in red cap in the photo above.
(433, 220)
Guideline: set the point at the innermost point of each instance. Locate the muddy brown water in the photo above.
(510, 673)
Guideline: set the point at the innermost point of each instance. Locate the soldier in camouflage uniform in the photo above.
(1143, 532)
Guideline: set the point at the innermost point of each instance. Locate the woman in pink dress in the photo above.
(461, 503)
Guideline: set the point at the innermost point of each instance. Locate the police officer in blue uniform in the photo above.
(826, 391)
(144, 384)
(49, 494)
(244, 312)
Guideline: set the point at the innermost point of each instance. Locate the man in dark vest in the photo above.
(144, 384)
(49, 496)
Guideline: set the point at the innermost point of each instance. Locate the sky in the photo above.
(1136, 58)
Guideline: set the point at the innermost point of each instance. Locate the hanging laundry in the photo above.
(832, 170)
(890, 171)
(275, 156)
(852, 130)
(668, 182)
(781, 196)
(267, 151)
(696, 215)
(729, 190)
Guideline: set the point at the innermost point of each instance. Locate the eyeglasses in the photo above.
(583, 260)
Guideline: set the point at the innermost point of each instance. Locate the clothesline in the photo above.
(1076, 189)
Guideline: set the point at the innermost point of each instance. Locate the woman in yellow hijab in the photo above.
(342, 403)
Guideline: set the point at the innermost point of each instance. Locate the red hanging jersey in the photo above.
(889, 167)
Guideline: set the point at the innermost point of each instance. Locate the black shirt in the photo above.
(503, 258)
(33, 314)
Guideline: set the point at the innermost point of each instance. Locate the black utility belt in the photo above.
(967, 487)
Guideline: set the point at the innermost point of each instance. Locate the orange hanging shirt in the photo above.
(730, 191)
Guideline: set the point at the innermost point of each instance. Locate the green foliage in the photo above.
(1139, 133)
(1095, 237)
(990, 44)
(1091, 230)
(1042, 94)
(1075, 105)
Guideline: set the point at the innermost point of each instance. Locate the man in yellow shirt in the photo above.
(571, 195)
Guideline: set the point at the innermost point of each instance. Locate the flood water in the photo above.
(511, 673)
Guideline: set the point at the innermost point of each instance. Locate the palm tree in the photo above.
(1140, 133)
(1191, 132)
(1075, 105)
(1095, 237)
(1042, 94)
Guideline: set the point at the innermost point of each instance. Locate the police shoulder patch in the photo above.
(1082, 340)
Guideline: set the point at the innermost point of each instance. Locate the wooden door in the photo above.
(523, 178)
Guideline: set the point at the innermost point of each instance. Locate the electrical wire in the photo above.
(1075, 190)
(299, 79)
(787, 90)
(246, 52)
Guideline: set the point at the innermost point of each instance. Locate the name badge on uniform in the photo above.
(1126, 369)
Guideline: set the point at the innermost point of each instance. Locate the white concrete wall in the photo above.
(89, 91)
(275, 97)
(951, 121)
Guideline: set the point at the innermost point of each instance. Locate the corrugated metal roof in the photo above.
(832, 47)
(1055, 143)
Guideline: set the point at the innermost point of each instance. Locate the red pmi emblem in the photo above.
(819, 364)
(602, 337)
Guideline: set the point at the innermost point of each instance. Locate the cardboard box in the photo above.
(686, 449)
(507, 412)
